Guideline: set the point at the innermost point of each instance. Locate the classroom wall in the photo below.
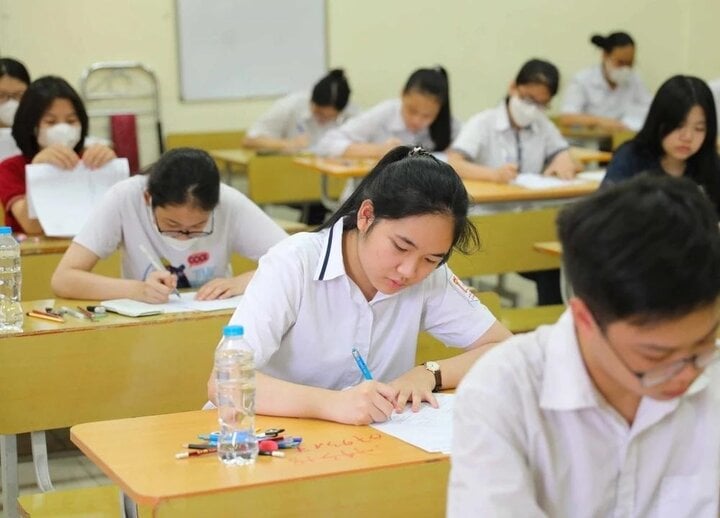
(482, 43)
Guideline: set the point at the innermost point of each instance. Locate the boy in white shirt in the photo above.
(613, 411)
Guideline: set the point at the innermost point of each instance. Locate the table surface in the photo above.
(553, 248)
(149, 444)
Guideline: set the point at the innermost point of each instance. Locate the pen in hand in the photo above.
(361, 364)
(156, 264)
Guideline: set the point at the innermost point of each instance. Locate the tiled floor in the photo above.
(68, 467)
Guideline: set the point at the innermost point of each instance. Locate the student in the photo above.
(612, 411)
(372, 278)
(50, 128)
(299, 120)
(14, 80)
(678, 138)
(184, 216)
(608, 95)
(420, 117)
(516, 136)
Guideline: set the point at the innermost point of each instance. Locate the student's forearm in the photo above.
(79, 284)
(470, 171)
(364, 150)
(19, 210)
(265, 143)
(277, 397)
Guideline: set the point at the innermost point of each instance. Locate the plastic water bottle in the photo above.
(235, 381)
(11, 314)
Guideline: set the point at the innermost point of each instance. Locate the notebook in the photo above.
(186, 303)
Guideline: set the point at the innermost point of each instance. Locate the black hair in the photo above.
(13, 68)
(434, 81)
(642, 250)
(612, 40)
(332, 90)
(36, 100)
(184, 175)
(538, 71)
(409, 182)
(669, 108)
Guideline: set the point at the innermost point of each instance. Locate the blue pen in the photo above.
(361, 364)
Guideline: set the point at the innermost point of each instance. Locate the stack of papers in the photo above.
(186, 303)
(63, 200)
(429, 429)
(539, 181)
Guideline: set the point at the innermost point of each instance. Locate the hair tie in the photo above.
(417, 151)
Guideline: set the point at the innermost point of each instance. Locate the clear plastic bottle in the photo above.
(235, 381)
(11, 314)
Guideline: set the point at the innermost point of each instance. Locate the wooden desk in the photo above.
(232, 161)
(588, 156)
(479, 191)
(340, 470)
(57, 375)
(553, 248)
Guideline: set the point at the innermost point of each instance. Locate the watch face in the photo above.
(432, 366)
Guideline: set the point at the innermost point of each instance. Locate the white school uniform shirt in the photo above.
(490, 140)
(534, 437)
(123, 220)
(715, 89)
(375, 126)
(589, 92)
(8, 147)
(303, 315)
(290, 117)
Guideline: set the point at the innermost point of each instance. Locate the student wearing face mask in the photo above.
(516, 136)
(179, 212)
(678, 138)
(420, 117)
(298, 121)
(608, 95)
(14, 80)
(50, 127)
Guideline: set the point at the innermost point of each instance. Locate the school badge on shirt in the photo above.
(464, 290)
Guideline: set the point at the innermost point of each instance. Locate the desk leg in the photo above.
(128, 509)
(327, 201)
(40, 461)
(8, 459)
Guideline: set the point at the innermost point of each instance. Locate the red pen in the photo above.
(194, 453)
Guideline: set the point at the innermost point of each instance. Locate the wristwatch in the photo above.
(434, 367)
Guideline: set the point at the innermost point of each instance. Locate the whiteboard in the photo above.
(229, 49)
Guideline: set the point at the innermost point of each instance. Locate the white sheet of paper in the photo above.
(593, 176)
(184, 304)
(429, 429)
(538, 181)
(8, 147)
(62, 200)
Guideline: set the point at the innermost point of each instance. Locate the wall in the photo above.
(482, 43)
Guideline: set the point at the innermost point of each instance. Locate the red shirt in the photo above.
(12, 186)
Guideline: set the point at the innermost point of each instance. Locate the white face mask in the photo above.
(180, 245)
(63, 134)
(7, 111)
(619, 75)
(522, 112)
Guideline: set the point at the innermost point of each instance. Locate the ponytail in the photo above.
(609, 42)
(332, 90)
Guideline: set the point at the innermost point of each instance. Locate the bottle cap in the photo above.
(5, 231)
(233, 331)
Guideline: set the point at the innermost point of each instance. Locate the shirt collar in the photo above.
(331, 263)
(566, 383)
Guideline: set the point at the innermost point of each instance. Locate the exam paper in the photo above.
(429, 429)
(184, 304)
(62, 200)
(539, 181)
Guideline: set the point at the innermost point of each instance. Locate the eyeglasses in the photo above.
(661, 374)
(533, 102)
(186, 233)
(4, 96)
